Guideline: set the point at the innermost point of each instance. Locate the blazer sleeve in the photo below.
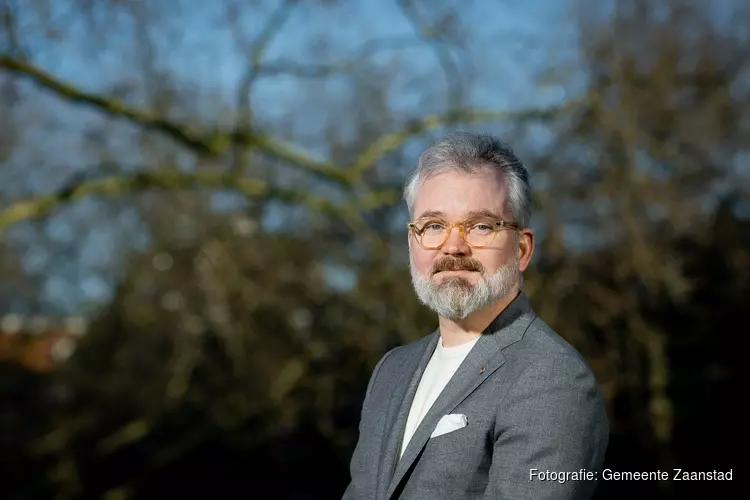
(552, 420)
(358, 473)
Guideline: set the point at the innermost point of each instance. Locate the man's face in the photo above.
(458, 280)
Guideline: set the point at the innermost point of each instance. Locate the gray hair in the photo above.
(468, 152)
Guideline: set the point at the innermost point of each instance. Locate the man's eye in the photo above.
(483, 228)
(433, 227)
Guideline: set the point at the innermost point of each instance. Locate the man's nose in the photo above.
(455, 244)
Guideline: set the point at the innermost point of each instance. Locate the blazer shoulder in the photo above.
(543, 345)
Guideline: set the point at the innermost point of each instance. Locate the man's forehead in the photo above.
(455, 195)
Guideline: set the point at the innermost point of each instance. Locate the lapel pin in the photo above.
(481, 370)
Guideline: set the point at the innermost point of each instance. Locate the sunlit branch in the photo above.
(110, 106)
(207, 145)
(392, 141)
(123, 184)
(217, 143)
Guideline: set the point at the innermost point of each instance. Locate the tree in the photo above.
(261, 270)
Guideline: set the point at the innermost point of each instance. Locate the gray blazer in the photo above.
(532, 407)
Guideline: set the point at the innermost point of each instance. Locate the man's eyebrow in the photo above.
(431, 213)
(483, 213)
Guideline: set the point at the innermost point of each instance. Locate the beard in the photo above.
(455, 298)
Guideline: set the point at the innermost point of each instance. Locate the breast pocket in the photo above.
(456, 464)
(472, 438)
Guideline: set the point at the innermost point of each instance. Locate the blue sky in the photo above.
(508, 43)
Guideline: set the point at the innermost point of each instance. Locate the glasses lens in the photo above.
(433, 234)
(432, 240)
(481, 234)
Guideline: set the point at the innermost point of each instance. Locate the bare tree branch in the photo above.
(161, 179)
(213, 145)
(322, 70)
(434, 37)
(390, 142)
(109, 106)
(170, 179)
(272, 27)
(210, 145)
(256, 51)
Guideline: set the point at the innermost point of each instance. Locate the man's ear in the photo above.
(525, 248)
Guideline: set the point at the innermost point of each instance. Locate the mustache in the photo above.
(457, 264)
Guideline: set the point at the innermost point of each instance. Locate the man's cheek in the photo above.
(423, 262)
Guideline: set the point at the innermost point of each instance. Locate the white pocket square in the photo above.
(450, 423)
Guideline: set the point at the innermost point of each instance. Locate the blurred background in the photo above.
(203, 248)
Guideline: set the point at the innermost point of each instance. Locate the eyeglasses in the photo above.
(477, 233)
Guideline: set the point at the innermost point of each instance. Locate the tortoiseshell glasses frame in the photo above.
(433, 233)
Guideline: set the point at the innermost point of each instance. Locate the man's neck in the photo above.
(454, 333)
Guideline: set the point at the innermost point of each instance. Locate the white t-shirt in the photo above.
(441, 367)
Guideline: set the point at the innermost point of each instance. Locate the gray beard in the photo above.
(457, 299)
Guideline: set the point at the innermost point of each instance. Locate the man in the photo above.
(494, 404)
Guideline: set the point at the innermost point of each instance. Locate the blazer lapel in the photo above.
(398, 410)
(484, 358)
